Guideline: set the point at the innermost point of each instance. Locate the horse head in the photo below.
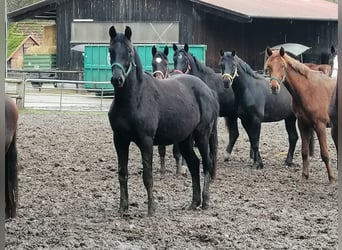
(122, 56)
(276, 66)
(160, 63)
(181, 59)
(228, 65)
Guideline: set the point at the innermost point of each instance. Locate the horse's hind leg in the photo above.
(146, 149)
(202, 142)
(186, 148)
(232, 127)
(253, 131)
(162, 152)
(121, 147)
(322, 138)
(11, 180)
(290, 125)
(180, 170)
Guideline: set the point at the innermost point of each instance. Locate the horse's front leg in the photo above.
(146, 149)
(122, 146)
(233, 130)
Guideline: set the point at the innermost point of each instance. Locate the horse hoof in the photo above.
(205, 206)
(227, 157)
(182, 171)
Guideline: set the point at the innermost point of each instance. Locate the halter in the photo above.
(160, 72)
(131, 64)
(282, 80)
(229, 76)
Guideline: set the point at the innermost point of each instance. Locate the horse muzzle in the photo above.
(227, 80)
(118, 79)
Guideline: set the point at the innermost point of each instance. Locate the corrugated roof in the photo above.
(280, 9)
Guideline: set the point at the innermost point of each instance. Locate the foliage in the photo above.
(14, 39)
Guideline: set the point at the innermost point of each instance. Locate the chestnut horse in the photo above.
(311, 95)
(11, 171)
(325, 68)
(333, 113)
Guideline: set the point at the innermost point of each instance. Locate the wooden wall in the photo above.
(196, 27)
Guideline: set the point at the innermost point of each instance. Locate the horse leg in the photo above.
(202, 144)
(232, 127)
(161, 151)
(146, 149)
(121, 147)
(290, 125)
(322, 138)
(11, 180)
(179, 160)
(186, 148)
(334, 135)
(305, 134)
(253, 130)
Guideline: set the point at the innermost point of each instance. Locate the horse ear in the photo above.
(221, 52)
(166, 50)
(282, 51)
(269, 51)
(332, 49)
(112, 32)
(233, 52)
(128, 33)
(154, 50)
(174, 47)
(186, 47)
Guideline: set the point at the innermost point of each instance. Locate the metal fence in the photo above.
(61, 95)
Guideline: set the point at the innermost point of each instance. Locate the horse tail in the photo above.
(213, 143)
(11, 180)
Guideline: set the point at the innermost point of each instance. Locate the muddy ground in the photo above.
(69, 194)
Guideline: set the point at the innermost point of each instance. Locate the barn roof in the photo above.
(238, 10)
(246, 10)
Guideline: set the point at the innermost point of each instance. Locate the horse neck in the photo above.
(295, 82)
(129, 90)
(240, 83)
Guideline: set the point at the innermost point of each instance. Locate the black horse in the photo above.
(148, 112)
(256, 104)
(185, 62)
(11, 170)
(160, 70)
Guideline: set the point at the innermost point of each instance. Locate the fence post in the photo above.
(19, 94)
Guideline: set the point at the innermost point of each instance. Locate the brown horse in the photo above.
(311, 94)
(325, 68)
(333, 113)
(11, 171)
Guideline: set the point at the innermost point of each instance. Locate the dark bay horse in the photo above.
(311, 95)
(11, 170)
(160, 70)
(185, 62)
(256, 104)
(149, 111)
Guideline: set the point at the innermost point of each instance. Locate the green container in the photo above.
(97, 66)
(40, 62)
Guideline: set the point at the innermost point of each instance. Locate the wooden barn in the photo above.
(248, 26)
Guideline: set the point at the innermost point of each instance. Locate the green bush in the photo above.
(14, 38)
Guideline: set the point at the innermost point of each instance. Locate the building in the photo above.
(247, 26)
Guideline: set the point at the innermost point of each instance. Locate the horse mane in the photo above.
(296, 65)
(199, 65)
(248, 68)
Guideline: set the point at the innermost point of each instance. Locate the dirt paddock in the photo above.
(69, 194)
